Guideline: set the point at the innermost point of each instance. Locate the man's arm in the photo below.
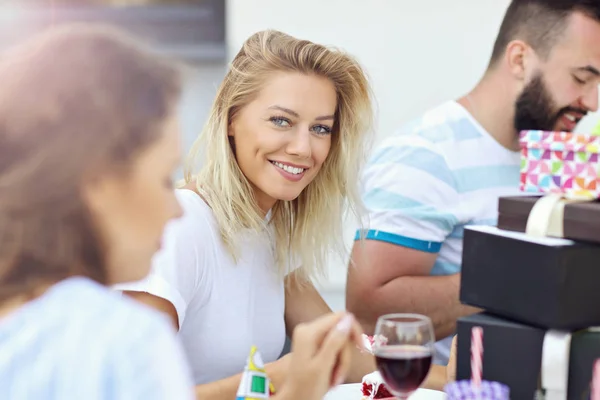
(389, 278)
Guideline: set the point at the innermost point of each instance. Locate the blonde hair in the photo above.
(310, 227)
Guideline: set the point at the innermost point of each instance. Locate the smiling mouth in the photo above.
(572, 118)
(288, 168)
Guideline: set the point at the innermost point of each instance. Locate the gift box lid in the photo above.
(560, 141)
(577, 220)
(587, 212)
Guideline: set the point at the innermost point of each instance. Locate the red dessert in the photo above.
(374, 388)
(370, 342)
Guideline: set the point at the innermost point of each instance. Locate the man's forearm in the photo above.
(434, 296)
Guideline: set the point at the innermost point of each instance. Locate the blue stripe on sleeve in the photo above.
(417, 244)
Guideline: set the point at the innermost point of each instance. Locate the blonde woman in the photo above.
(280, 154)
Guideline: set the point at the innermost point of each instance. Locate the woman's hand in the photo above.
(321, 356)
(277, 371)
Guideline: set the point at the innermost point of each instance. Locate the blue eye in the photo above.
(321, 129)
(281, 122)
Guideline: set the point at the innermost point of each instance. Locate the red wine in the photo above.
(403, 368)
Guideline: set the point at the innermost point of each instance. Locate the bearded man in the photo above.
(447, 169)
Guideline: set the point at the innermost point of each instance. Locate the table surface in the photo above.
(353, 392)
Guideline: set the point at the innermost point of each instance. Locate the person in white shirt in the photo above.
(447, 169)
(281, 155)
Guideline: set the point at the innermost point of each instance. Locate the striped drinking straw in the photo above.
(596, 381)
(477, 356)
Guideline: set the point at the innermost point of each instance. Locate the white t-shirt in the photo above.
(224, 308)
(428, 181)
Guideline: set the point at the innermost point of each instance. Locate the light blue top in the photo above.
(431, 179)
(81, 340)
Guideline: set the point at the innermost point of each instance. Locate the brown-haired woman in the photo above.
(88, 144)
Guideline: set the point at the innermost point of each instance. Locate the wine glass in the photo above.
(403, 348)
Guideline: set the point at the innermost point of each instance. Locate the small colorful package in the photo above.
(560, 162)
(596, 130)
(255, 384)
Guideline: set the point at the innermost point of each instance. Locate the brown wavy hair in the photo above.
(76, 102)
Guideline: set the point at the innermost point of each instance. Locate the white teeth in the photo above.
(287, 168)
(570, 117)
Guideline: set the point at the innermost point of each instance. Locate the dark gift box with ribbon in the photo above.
(573, 219)
(547, 282)
(532, 362)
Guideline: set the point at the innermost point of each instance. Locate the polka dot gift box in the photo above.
(560, 162)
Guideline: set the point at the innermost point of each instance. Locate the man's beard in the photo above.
(535, 109)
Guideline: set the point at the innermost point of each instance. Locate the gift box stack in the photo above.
(536, 274)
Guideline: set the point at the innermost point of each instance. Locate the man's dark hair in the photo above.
(539, 23)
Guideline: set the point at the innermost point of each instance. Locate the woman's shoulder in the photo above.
(103, 306)
(197, 221)
(192, 203)
(84, 310)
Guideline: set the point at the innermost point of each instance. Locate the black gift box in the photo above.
(547, 282)
(514, 354)
(580, 220)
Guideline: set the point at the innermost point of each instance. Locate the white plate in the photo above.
(354, 392)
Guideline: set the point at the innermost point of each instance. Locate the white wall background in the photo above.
(199, 89)
(417, 54)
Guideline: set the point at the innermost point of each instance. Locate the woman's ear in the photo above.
(231, 128)
(231, 137)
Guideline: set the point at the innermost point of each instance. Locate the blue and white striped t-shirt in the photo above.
(435, 176)
(80, 340)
